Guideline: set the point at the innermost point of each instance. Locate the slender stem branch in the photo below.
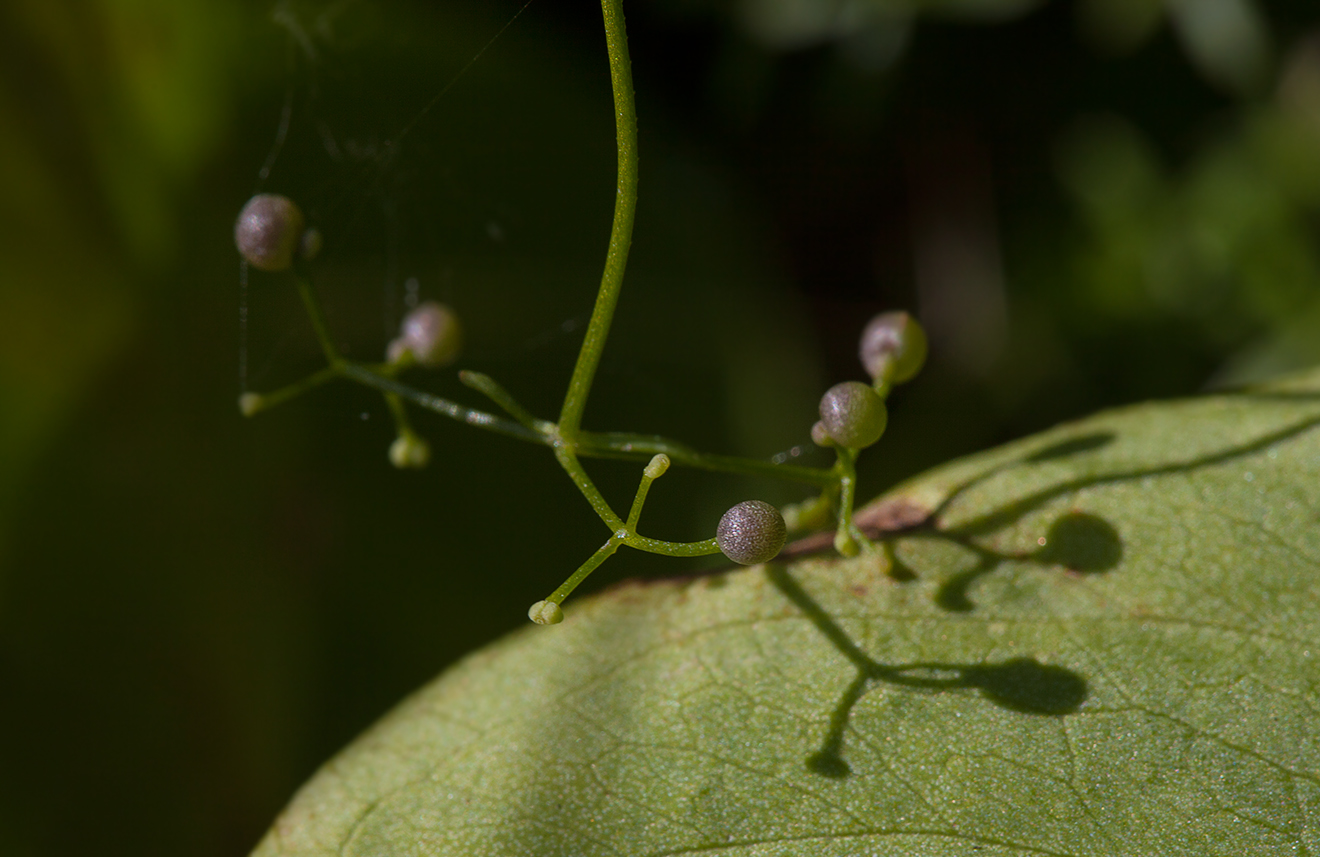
(639, 447)
(578, 474)
(313, 306)
(255, 403)
(625, 206)
(491, 389)
(848, 538)
(701, 548)
(593, 562)
(653, 471)
(401, 423)
(365, 375)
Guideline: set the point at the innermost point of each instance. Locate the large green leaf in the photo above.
(1101, 640)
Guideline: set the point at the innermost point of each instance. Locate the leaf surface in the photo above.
(1104, 639)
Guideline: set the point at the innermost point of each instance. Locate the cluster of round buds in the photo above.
(853, 414)
(430, 334)
(893, 347)
(269, 233)
(752, 532)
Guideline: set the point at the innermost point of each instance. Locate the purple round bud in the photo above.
(268, 231)
(431, 333)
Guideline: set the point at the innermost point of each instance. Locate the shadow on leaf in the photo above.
(1023, 685)
(1078, 541)
(1072, 446)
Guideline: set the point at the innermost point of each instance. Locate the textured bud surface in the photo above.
(431, 333)
(751, 532)
(268, 231)
(853, 415)
(893, 345)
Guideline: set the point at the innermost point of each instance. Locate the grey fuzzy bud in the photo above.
(751, 532)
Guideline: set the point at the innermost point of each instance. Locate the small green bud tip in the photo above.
(268, 231)
(431, 333)
(657, 467)
(309, 246)
(893, 347)
(751, 533)
(853, 415)
(546, 613)
(819, 436)
(409, 451)
(249, 403)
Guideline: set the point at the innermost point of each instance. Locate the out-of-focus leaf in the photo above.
(1101, 640)
(1226, 39)
(790, 24)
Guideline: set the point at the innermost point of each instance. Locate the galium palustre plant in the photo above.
(271, 235)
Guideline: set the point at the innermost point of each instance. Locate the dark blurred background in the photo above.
(1088, 202)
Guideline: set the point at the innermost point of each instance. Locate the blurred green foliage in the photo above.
(1088, 202)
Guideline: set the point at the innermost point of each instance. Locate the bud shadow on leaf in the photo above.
(1078, 541)
(1022, 685)
(1081, 542)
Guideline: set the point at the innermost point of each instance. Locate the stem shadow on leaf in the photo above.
(1013, 512)
(1023, 685)
(1079, 541)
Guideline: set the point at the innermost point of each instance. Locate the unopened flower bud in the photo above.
(751, 532)
(893, 347)
(853, 415)
(546, 613)
(431, 333)
(268, 231)
(409, 450)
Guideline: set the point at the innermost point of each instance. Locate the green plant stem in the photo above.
(625, 207)
(578, 474)
(313, 306)
(584, 571)
(401, 423)
(636, 447)
(264, 401)
(377, 381)
(492, 390)
(643, 488)
(704, 547)
(848, 538)
(617, 445)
